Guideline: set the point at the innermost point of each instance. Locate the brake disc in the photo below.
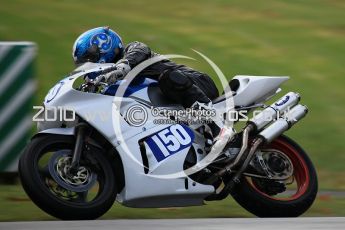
(273, 164)
(81, 181)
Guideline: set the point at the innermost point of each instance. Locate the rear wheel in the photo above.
(86, 193)
(288, 198)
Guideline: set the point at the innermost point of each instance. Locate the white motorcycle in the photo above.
(89, 152)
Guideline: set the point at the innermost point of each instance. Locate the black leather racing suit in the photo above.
(181, 84)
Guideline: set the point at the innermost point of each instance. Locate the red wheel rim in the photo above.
(300, 174)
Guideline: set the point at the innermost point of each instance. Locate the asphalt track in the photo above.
(185, 224)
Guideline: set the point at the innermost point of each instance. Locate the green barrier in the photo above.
(17, 88)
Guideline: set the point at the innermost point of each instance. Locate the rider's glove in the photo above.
(122, 68)
(113, 76)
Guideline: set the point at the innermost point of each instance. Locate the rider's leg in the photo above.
(179, 87)
(190, 91)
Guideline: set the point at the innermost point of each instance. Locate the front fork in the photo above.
(80, 132)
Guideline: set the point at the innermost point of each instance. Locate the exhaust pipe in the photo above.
(275, 110)
(284, 123)
(266, 136)
(261, 120)
(269, 134)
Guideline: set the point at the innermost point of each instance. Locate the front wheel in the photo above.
(289, 198)
(44, 171)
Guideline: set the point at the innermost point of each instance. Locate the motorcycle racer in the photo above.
(179, 83)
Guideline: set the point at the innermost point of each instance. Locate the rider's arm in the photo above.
(136, 52)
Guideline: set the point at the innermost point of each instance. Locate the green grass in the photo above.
(301, 39)
(16, 206)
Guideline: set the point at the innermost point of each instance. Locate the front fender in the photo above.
(58, 131)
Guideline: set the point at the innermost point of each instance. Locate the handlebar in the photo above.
(100, 76)
(96, 78)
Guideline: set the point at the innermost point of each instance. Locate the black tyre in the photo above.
(87, 194)
(262, 197)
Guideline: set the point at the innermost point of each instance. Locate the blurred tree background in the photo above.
(300, 39)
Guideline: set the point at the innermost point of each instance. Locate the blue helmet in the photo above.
(100, 44)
